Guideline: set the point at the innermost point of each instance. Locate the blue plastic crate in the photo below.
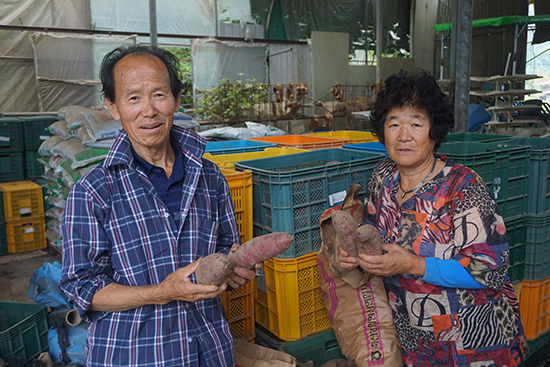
(290, 193)
(375, 147)
(23, 331)
(319, 348)
(236, 146)
(11, 135)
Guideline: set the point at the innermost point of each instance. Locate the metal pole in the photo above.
(378, 46)
(462, 33)
(367, 41)
(441, 58)
(216, 18)
(515, 57)
(153, 22)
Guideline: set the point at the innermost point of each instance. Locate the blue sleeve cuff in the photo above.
(449, 273)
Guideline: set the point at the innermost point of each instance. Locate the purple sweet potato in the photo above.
(260, 249)
(368, 240)
(345, 226)
(213, 269)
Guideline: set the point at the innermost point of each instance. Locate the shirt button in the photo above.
(190, 340)
(166, 215)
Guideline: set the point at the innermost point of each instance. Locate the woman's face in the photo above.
(407, 136)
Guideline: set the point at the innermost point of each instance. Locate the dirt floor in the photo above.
(17, 269)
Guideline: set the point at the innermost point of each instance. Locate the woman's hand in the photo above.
(346, 261)
(395, 260)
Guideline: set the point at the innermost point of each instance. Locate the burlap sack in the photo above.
(356, 302)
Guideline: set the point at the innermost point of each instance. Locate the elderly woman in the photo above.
(445, 247)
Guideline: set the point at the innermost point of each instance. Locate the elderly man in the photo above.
(136, 226)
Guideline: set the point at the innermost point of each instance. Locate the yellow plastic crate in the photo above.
(22, 199)
(239, 308)
(227, 160)
(26, 234)
(354, 137)
(535, 307)
(240, 187)
(288, 300)
(303, 141)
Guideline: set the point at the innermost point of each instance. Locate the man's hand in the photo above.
(178, 286)
(240, 276)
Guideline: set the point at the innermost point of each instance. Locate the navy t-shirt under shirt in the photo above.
(169, 189)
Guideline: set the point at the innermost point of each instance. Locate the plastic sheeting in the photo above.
(67, 68)
(17, 79)
(214, 60)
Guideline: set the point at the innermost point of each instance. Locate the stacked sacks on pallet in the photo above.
(80, 140)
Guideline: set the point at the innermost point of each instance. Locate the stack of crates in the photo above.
(290, 193)
(11, 150)
(238, 303)
(34, 134)
(535, 288)
(24, 216)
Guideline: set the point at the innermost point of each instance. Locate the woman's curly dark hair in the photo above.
(419, 90)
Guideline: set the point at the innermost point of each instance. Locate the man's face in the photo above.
(144, 103)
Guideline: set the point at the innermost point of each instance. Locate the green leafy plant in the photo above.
(230, 101)
(184, 56)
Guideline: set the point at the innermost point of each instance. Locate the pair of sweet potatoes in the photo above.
(353, 239)
(214, 268)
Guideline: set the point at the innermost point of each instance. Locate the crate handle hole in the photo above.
(331, 345)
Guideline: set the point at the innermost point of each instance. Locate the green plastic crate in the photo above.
(34, 132)
(2, 208)
(319, 348)
(517, 235)
(11, 167)
(536, 345)
(33, 168)
(539, 176)
(23, 331)
(11, 135)
(3, 239)
(290, 193)
(537, 249)
(266, 339)
(476, 137)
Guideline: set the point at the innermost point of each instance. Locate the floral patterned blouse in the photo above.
(451, 217)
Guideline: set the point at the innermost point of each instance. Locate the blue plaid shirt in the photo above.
(116, 228)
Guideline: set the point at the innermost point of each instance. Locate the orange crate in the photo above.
(535, 307)
(240, 187)
(288, 299)
(239, 308)
(22, 199)
(354, 137)
(303, 141)
(26, 234)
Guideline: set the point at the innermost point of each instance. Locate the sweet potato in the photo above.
(368, 240)
(213, 269)
(259, 249)
(345, 226)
